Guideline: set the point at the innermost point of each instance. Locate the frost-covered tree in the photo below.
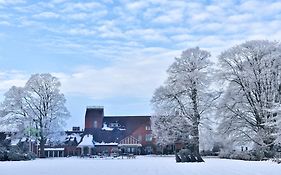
(181, 105)
(39, 104)
(250, 106)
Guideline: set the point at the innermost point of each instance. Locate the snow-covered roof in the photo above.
(106, 144)
(14, 142)
(95, 107)
(106, 128)
(54, 149)
(129, 145)
(74, 135)
(87, 141)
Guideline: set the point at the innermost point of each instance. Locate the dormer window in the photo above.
(114, 125)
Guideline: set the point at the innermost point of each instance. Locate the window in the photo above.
(140, 138)
(148, 137)
(148, 128)
(114, 125)
(95, 124)
(148, 150)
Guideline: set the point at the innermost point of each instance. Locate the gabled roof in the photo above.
(87, 141)
(129, 140)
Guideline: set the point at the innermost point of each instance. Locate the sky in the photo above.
(115, 53)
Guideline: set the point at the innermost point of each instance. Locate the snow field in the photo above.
(142, 165)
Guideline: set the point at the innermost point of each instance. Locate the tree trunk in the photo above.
(195, 126)
(42, 148)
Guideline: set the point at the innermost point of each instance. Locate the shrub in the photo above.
(253, 155)
(30, 156)
(209, 153)
(3, 154)
(245, 155)
(225, 154)
(257, 154)
(16, 154)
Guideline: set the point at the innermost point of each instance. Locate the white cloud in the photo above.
(10, 2)
(11, 78)
(46, 15)
(81, 31)
(5, 23)
(136, 74)
(58, 1)
(174, 16)
(147, 34)
(240, 18)
(181, 37)
(112, 82)
(138, 35)
(137, 5)
(78, 16)
(200, 16)
(86, 16)
(86, 6)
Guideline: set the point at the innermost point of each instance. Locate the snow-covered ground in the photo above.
(142, 165)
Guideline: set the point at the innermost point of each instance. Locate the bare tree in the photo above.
(40, 104)
(250, 106)
(182, 103)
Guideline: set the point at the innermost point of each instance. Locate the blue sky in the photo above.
(115, 53)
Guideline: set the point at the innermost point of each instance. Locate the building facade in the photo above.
(111, 134)
(101, 135)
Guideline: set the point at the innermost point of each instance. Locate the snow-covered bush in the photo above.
(257, 154)
(15, 154)
(225, 154)
(241, 155)
(208, 153)
(3, 153)
(253, 155)
(30, 156)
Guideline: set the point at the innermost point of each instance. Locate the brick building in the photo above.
(101, 135)
(110, 134)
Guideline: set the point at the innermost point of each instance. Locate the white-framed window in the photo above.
(148, 128)
(148, 137)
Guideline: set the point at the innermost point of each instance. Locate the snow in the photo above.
(87, 141)
(106, 144)
(8, 127)
(106, 128)
(148, 165)
(74, 135)
(14, 142)
(54, 149)
(138, 145)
